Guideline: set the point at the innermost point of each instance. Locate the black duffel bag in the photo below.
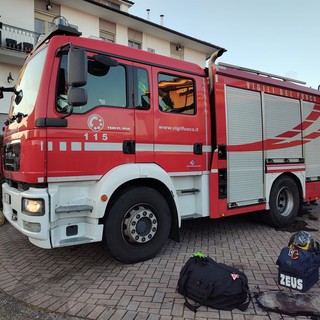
(213, 284)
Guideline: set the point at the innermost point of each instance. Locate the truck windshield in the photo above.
(28, 85)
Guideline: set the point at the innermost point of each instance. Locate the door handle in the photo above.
(129, 147)
(197, 148)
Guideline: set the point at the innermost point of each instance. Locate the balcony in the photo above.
(15, 44)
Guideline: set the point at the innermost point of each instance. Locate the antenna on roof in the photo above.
(148, 14)
(161, 19)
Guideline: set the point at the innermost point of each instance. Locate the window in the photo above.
(105, 87)
(107, 36)
(113, 5)
(109, 4)
(107, 30)
(43, 19)
(43, 23)
(134, 44)
(29, 83)
(141, 89)
(134, 39)
(176, 94)
(109, 89)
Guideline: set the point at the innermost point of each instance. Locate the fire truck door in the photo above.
(144, 125)
(245, 148)
(180, 140)
(100, 135)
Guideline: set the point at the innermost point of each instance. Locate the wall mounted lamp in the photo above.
(49, 6)
(178, 47)
(9, 78)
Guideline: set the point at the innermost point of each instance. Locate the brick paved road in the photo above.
(85, 282)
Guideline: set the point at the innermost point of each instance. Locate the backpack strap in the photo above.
(196, 306)
(244, 306)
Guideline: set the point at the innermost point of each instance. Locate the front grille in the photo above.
(12, 156)
(21, 186)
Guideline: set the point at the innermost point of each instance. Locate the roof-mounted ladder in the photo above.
(269, 75)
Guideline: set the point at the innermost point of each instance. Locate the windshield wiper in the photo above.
(19, 116)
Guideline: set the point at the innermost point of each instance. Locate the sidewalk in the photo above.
(85, 282)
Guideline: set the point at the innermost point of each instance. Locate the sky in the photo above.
(281, 37)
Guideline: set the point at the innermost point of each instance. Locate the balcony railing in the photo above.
(18, 39)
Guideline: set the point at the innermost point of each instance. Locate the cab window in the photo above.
(141, 88)
(176, 94)
(103, 89)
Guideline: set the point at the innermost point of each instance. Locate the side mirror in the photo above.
(18, 97)
(77, 67)
(77, 97)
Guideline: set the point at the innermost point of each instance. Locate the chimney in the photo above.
(148, 14)
(161, 19)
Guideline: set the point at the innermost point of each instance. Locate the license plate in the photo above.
(7, 198)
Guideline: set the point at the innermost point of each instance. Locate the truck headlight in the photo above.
(33, 207)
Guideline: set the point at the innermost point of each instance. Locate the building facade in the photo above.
(22, 22)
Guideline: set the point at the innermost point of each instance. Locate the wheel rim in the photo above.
(285, 202)
(140, 225)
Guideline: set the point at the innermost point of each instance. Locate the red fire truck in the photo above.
(109, 143)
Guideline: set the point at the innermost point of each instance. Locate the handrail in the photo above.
(258, 72)
(15, 38)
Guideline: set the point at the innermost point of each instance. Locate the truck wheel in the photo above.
(284, 202)
(137, 225)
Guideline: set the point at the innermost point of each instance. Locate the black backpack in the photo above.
(213, 284)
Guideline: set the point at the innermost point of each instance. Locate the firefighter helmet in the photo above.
(302, 240)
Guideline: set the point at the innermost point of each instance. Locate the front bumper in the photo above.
(36, 228)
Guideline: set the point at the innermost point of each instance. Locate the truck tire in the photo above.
(137, 225)
(284, 202)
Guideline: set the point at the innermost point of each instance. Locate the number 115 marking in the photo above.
(96, 136)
